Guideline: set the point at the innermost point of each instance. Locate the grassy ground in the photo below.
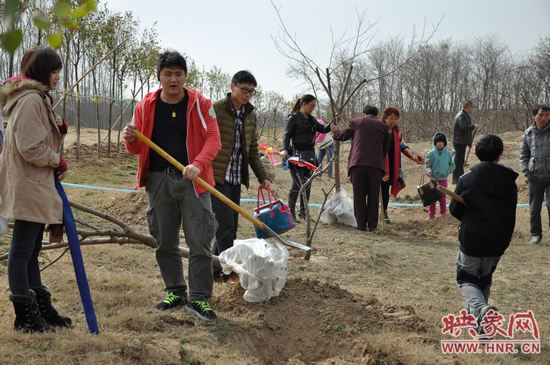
(362, 299)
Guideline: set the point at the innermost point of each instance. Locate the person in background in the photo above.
(462, 137)
(439, 165)
(237, 123)
(299, 141)
(325, 147)
(369, 147)
(393, 181)
(183, 123)
(487, 224)
(535, 165)
(29, 166)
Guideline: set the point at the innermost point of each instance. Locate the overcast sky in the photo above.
(237, 34)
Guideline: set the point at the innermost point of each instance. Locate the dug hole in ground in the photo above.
(362, 299)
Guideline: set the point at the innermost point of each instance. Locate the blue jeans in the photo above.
(329, 152)
(23, 269)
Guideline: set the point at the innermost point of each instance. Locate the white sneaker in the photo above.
(536, 240)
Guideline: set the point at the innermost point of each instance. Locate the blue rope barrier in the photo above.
(244, 200)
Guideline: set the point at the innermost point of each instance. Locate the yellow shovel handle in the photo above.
(217, 194)
(200, 181)
(452, 194)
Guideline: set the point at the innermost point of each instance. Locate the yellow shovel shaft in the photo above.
(200, 181)
(219, 195)
(452, 194)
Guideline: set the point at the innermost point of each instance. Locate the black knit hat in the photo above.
(440, 137)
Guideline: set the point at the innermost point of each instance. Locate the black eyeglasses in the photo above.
(247, 90)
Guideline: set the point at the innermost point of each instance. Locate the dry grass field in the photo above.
(362, 299)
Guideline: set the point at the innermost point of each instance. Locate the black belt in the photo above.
(167, 170)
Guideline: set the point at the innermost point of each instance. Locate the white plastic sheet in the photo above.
(262, 267)
(339, 209)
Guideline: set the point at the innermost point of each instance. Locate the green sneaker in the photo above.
(202, 309)
(171, 301)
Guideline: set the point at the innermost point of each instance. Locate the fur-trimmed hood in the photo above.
(29, 155)
(16, 88)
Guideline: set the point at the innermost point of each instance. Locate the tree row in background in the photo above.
(430, 83)
(428, 80)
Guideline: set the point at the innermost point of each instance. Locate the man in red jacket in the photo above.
(183, 123)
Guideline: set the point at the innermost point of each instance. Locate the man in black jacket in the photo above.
(488, 219)
(462, 137)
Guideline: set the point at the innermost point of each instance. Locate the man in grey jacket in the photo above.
(462, 137)
(535, 165)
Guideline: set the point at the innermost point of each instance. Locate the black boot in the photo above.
(27, 315)
(48, 312)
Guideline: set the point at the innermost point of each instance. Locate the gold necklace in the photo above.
(173, 113)
(174, 108)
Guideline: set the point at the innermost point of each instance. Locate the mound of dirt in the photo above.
(311, 322)
(130, 208)
(441, 227)
(88, 155)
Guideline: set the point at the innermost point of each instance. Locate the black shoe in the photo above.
(201, 309)
(47, 311)
(171, 301)
(27, 315)
(386, 218)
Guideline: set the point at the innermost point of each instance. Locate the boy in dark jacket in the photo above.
(488, 219)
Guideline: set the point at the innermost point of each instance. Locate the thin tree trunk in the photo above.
(121, 114)
(97, 100)
(10, 67)
(113, 86)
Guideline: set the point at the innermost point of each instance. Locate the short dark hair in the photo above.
(489, 148)
(244, 77)
(38, 64)
(171, 59)
(370, 110)
(536, 109)
(467, 103)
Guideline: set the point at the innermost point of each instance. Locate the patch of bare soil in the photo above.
(445, 227)
(89, 155)
(312, 322)
(131, 208)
